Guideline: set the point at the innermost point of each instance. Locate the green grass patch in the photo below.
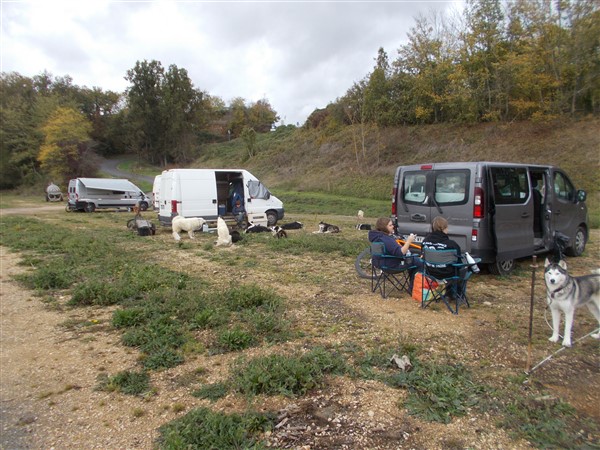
(203, 428)
(322, 203)
(212, 392)
(126, 382)
(285, 375)
(545, 422)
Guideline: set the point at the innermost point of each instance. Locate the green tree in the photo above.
(248, 135)
(144, 119)
(261, 116)
(67, 151)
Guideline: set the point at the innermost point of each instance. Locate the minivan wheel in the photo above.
(578, 243)
(90, 207)
(502, 267)
(271, 218)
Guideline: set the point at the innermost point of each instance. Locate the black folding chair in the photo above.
(389, 270)
(451, 289)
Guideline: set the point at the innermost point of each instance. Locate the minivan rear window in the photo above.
(450, 187)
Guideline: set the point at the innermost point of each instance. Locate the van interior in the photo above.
(230, 188)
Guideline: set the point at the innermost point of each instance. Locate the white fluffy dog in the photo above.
(224, 238)
(189, 224)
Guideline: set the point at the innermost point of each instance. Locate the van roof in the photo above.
(111, 184)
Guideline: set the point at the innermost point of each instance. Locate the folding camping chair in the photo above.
(452, 289)
(389, 270)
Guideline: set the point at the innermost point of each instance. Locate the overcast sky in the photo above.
(299, 55)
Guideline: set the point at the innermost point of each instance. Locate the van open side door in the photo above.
(513, 212)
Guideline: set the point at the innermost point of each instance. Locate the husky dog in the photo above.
(328, 228)
(276, 231)
(566, 293)
(190, 225)
(363, 226)
(223, 236)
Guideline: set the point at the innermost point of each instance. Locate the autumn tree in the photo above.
(67, 150)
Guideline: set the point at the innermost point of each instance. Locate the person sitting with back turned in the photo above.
(384, 233)
(438, 240)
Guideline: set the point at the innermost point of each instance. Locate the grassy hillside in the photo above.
(360, 161)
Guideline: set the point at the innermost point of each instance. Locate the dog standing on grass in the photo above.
(189, 224)
(566, 293)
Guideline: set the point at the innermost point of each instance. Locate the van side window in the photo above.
(511, 185)
(451, 187)
(563, 189)
(413, 187)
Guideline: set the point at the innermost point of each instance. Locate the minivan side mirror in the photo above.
(581, 195)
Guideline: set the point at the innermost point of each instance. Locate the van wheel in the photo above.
(578, 243)
(90, 207)
(271, 218)
(502, 267)
(143, 206)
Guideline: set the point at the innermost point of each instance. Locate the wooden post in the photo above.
(533, 267)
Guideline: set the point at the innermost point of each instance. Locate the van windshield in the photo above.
(448, 187)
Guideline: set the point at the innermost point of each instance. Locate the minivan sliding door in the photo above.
(513, 212)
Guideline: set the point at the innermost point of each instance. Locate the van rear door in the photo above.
(197, 193)
(513, 211)
(435, 190)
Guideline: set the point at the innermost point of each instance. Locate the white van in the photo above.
(89, 194)
(210, 193)
(496, 211)
(156, 192)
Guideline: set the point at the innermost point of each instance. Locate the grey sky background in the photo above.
(298, 55)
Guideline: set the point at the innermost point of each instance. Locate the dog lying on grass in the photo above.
(327, 228)
(189, 224)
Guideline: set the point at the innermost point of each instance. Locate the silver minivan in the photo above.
(496, 211)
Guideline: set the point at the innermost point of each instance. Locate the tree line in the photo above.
(498, 60)
(51, 128)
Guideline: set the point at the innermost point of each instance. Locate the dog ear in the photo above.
(562, 264)
(547, 262)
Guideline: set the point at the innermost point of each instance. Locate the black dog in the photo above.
(257, 228)
(363, 226)
(292, 226)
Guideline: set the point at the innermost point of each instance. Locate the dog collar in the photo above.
(560, 289)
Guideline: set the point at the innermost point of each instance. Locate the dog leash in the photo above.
(548, 358)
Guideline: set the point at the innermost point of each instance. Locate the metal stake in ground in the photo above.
(533, 267)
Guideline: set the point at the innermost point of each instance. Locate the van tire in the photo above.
(143, 206)
(502, 267)
(578, 243)
(271, 218)
(90, 207)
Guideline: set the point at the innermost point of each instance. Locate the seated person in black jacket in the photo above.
(438, 239)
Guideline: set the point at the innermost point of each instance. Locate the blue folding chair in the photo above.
(389, 270)
(451, 289)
